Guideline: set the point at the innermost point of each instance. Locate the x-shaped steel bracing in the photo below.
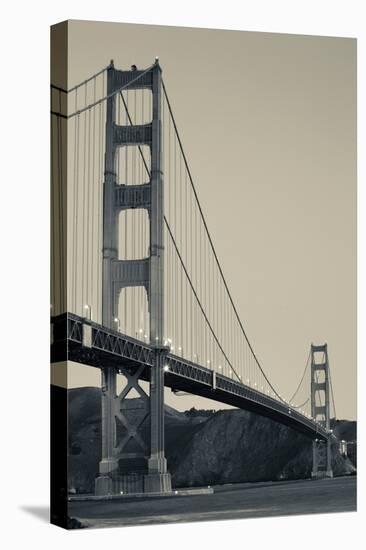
(131, 428)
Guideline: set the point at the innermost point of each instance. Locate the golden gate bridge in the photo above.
(137, 288)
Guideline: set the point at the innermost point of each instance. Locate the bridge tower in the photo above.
(131, 448)
(322, 453)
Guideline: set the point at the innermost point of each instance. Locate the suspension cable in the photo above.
(302, 404)
(102, 99)
(197, 298)
(302, 378)
(58, 88)
(212, 246)
(331, 390)
(179, 255)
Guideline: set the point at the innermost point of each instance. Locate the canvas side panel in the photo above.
(58, 208)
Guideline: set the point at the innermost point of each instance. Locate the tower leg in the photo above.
(158, 479)
(329, 472)
(314, 471)
(108, 464)
(322, 459)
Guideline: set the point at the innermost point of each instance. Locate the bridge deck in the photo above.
(83, 341)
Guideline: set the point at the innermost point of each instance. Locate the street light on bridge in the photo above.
(88, 312)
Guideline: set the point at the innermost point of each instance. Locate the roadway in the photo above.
(228, 502)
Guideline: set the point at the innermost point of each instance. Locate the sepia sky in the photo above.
(268, 124)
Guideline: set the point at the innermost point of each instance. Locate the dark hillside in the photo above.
(203, 448)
